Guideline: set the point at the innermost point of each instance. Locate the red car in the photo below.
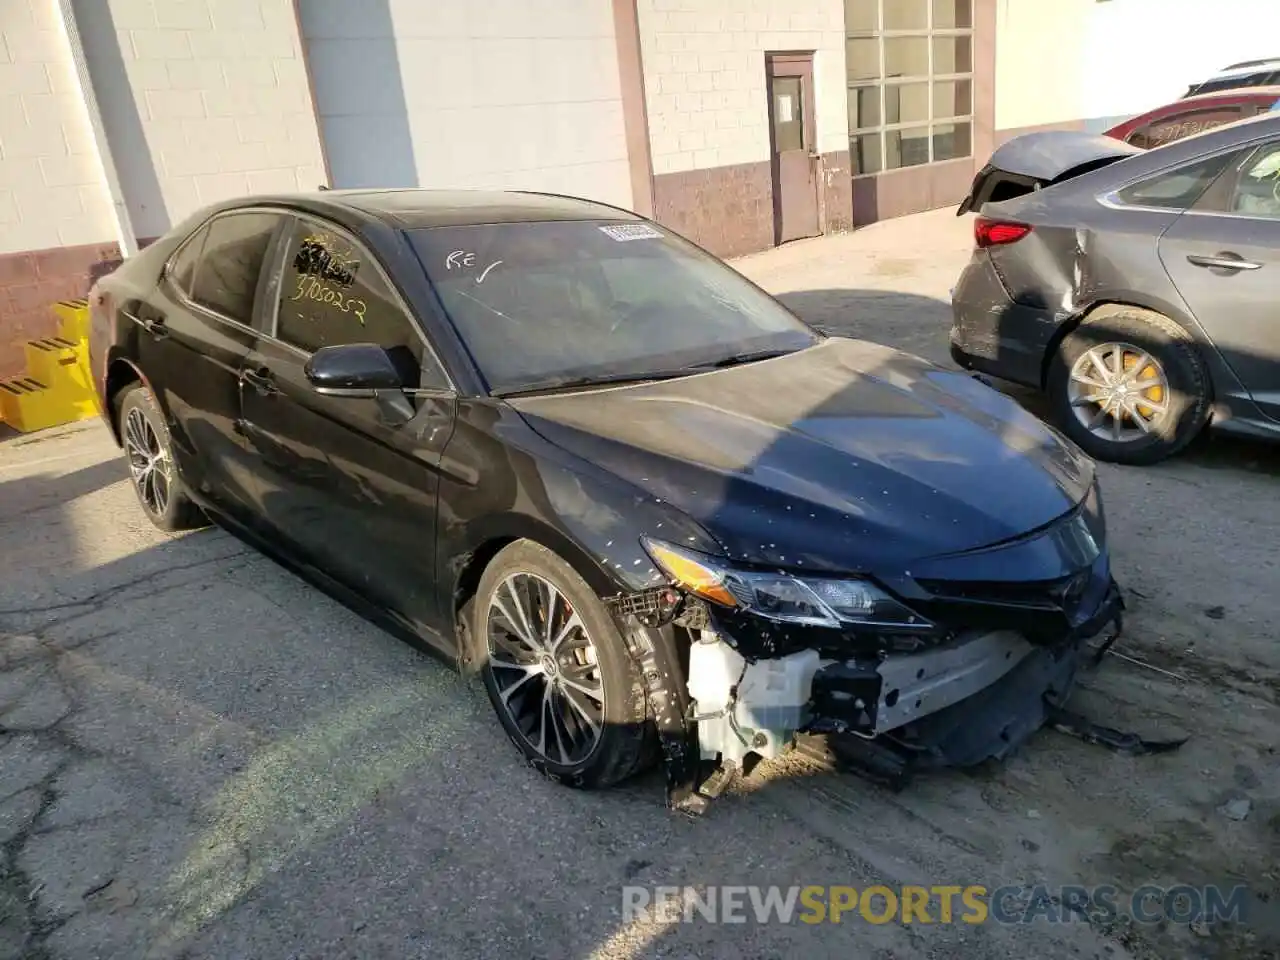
(1195, 114)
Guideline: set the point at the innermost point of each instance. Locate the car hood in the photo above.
(844, 457)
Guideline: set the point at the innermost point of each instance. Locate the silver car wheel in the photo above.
(1118, 392)
(545, 669)
(149, 463)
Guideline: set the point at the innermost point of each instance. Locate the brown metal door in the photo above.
(791, 123)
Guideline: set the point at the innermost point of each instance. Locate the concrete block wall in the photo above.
(706, 98)
(202, 100)
(1040, 63)
(50, 191)
(521, 94)
(55, 215)
(704, 76)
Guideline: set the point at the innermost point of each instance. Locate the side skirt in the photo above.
(433, 643)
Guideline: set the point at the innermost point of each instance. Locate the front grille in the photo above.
(1034, 594)
(1042, 610)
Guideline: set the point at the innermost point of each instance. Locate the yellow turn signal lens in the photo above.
(691, 574)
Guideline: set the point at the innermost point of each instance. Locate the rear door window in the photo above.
(230, 265)
(182, 268)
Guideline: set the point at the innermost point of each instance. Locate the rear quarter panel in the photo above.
(1083, 250)
(1083, 253)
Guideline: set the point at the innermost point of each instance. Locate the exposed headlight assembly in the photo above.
(812, 601)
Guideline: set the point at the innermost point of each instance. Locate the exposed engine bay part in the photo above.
(916, 685)
(885, 717)
(742, 707)
(656, 652)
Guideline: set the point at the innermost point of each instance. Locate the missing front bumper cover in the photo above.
(955, 705)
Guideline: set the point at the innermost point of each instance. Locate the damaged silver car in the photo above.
(1135, 288)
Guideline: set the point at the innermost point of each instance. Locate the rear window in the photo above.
(226, 279)
(1178, 125)
(537, 302)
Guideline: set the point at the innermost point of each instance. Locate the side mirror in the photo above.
(353, 370)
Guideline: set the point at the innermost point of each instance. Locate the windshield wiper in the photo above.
(598, 380)
(740, 358)
(644, 376)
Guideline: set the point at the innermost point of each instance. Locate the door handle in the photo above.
(1223, 261)
(260, 380)
(152, 325)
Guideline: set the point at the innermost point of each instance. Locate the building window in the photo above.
(910, 77)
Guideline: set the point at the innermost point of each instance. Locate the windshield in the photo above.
(541, 304)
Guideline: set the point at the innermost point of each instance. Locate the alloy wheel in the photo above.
(545, 669)
(1118, 392)
(149, 463)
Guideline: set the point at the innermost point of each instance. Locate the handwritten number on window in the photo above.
(310, 288)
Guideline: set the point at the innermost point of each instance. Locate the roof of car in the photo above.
(1255, 66)
(409, 209)
(1252, 63)
(1271, 92)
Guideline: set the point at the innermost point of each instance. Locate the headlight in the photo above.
(779, 596)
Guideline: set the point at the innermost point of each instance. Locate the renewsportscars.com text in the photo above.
(941, 904)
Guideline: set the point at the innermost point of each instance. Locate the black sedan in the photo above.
(1137, 288)
(562, 447)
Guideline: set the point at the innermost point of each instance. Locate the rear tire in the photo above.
(154, 476)
(1128, 386)
(558, 672)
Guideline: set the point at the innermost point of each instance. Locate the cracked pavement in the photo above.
(203, 757)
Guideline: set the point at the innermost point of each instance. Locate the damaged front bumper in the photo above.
(924, 700)
(977, 696)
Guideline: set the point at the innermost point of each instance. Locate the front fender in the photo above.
(591, 518)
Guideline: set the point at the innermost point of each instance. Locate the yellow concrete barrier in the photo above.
(57, 387)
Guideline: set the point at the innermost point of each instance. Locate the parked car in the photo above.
(1196, 114)
(1136, 288)
(557, 444)
(1247, 73)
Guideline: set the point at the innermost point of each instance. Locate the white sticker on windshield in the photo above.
(622, 232)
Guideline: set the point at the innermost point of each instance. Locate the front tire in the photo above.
(154, 476)
(558, 672)
(1128, 386)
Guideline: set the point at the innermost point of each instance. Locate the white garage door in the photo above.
(513, 94)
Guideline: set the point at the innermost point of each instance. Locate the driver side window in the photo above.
(333, 293)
